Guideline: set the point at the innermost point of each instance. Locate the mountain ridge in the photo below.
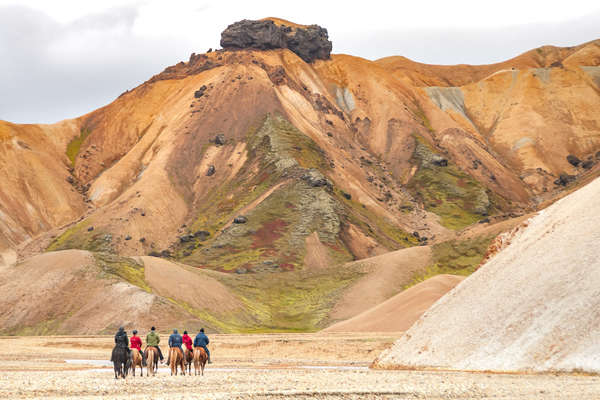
(255, 163)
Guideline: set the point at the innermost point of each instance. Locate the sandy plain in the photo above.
(262, 366)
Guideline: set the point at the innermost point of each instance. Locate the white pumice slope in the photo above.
(535, 306)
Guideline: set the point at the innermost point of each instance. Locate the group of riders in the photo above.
(153, 339)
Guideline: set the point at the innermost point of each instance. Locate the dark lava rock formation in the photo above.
(310, 42)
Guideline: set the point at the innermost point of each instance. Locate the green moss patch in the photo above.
(447, 191)
(384, 231)
(455, 257)
(75, 144)
(277, 227)
(78, 237)
(123, 267)
(297, 301)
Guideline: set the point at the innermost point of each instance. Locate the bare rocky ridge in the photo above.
(309, 42)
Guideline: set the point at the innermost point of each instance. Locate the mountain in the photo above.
(531, 307)
(273, 158)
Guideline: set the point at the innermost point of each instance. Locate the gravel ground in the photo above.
(262, 367)
(298, 383)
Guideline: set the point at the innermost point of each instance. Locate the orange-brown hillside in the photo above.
(256, 162)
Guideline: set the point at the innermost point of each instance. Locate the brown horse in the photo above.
(200, 358)
(188, 358)
(176, 360)
(151, 360)
(136, 359)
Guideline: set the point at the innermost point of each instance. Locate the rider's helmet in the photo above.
(135, 331)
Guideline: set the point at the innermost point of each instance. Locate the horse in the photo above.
(121, 359)
(200, 358)
(136, 359)
(188, 358)
(176, 360)
(151, 360)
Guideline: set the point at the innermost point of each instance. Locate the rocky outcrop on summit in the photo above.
(309, 42)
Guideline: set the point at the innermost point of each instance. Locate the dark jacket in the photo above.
(201, 340)
(175, 340)
(121, 339)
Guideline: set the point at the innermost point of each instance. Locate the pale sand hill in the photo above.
(534, 306)
(385, 276)
(401, 311)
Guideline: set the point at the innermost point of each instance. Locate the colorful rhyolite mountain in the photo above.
(272, 166)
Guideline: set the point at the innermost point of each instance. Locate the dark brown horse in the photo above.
(200, 358)
(188, 358)
(121, 359)
(176, 360)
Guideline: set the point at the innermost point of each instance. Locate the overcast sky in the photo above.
(61, 59)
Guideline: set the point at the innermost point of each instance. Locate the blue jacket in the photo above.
(175, 340)
(201, 340)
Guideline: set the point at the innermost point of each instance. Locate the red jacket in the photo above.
(187, 341)
(136, 343)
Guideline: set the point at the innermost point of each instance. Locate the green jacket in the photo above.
(152, 339)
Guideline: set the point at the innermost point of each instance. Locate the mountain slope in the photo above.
(398, 313)
(532, 307)
(267, 168)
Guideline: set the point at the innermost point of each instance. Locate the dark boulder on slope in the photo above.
(309, 43)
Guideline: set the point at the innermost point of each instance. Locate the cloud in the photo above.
(467, 45)
(52, 70)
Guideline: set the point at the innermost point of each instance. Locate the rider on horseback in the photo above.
(121, 355)
(121, 339)
(152, 340)
(187, 341)
(136, 343)
(175, 340)
(201, 340)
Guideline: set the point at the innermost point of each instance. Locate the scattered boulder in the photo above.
(220, 139)
(201, 235)
(565, 179)
(309, 43)
(186, 238)
(240, 219)
(211, 170)
(200, 92)
(416, 234)
(154, 254)
(91, 228)
(598, 155)
(439, 161)
(241, 270)
(348, 196)
(165, 253)
(315, 178)
(70, 179)
(142, 240)
(573, 160)
(484, 221)
(127, 237)
(588, 164)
